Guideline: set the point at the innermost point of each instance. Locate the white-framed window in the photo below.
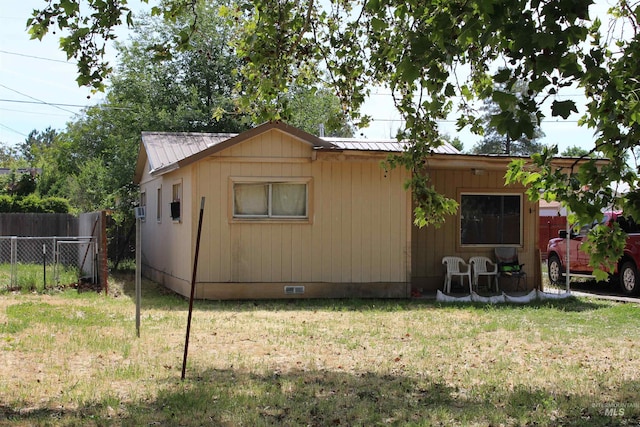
(159, 205)
(265, 199)
(491, 219)
(176, 208)
(143, 202)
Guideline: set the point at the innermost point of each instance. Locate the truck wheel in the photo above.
(629, 278)
(555, 270)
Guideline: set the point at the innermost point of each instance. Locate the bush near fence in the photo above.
(33, 204)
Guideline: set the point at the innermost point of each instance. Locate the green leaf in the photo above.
(502, 75)
(466, 93)
(378, 24)
(373, 6)
(505, 100)
(537, 85)
(563, 108)
(70, 7)
(408, 70)
(533, 177)
(544, 40)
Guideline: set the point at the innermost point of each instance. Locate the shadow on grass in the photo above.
(595, 287)
(570, 304)
(157, 296)
(321, 398)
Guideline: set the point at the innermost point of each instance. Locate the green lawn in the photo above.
(74, 359)
(34, 277)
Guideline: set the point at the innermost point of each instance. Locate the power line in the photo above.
(36, 99)
(540, 95)
(12, 130)
(32, 112)
(104, 106)
(37, 57)
(53, 104)
(455, 121)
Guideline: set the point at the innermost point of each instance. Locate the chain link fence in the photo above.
(41, 262)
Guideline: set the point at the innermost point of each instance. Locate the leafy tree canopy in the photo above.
(495, 141)
(156, 89)
(10, 157)
(437, 57)
(574, 151)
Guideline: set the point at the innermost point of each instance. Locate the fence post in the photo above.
(44, 266)
(14, 262)
(56, 261)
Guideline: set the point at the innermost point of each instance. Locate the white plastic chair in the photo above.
(483, 266)
(456, 267)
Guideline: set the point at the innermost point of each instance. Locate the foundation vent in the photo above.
(293, 290)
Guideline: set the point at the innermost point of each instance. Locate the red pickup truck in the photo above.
(626, 272)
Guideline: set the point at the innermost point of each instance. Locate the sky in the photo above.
(38, 90)
(37, 84)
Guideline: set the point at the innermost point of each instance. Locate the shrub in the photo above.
(56, 205)
(33, 204)
(6, 203)
(30, 203)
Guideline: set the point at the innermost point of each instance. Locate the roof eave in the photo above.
(165, 169)
(244, 136)
(141, 161)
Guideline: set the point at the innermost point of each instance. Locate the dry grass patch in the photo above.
(71, 359)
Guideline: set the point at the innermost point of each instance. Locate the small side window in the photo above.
(176, 211)
(143, 202)
(159, 205)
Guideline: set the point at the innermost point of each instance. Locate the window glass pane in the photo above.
(490, 219)
(289, 200)
(159, 205)
(177, 192)
(250, 199)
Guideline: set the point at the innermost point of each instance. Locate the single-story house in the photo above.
(288, 214)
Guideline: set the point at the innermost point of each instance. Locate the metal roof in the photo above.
(167, 151)
(167, 148)
(383, 145)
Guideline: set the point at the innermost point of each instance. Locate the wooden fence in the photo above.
(549, 228)
(38, 224)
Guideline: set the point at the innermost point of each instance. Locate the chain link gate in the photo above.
(41, 262)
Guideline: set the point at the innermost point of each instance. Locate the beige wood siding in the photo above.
(430, 244)
(357, 231)
(167, 244)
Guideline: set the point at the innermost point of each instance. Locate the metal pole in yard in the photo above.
(138, 273)
(14, 262)
(193, 285)
(139, 214)
(44, 266)
(568, 262)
